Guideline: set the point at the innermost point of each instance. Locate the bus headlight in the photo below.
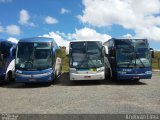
(50, 72)
(73, 70)
(18, 71)
(100, 69)
(148, 72)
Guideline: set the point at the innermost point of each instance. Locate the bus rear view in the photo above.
(35, 60)
(86, 60)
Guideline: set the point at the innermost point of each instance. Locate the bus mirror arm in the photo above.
(14, 52)
(113, 51)
(1, 57)
(152, 52)
(106, 51)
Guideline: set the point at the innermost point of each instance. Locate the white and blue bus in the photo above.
(7, 58)
(86, 60)
(129, 59)
(36, 60)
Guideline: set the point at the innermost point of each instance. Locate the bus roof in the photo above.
(86, 41)
(7, 42)
(127, 39)
(37, 39)
(40, 39)
(116, 39)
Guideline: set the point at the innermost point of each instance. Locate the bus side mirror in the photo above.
(112, 52)
(14, 52)
(105, 50)
(152, 52)
(1, 57)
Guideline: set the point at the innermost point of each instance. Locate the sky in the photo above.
(66, 20)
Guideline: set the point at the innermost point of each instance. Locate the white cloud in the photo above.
(127, 36)
(89, 34)
(5, 1)
(50, 20)
(24, 18)
(13, 30)
(64, 11)
(13, 40)
(58, 39)
(1, 29)
(138, 15)
(62, 39)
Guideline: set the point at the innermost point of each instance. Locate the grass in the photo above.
(65, 61)
(155, 60)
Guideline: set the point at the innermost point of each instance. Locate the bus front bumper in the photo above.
(133, 76)
(96, 76)
(134, 73)
(29, 76)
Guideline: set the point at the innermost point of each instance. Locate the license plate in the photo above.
(32, 80)
(87, 76)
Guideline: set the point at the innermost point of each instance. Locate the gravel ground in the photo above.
(82, 97)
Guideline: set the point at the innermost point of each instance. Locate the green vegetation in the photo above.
(155, 60)
(65, 61)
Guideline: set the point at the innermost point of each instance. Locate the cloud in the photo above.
(5, 1)
(13, 30)
(24, 18)
(13, 40)
(50, 20)
(58, 39)
(89, 34)
(64, 11)
(63, 39)
(1, 29)
(127, 36)
(142, 16)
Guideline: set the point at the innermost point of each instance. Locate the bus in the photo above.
(86, 60)
(7, 58)
(36, 60)
(129, 59)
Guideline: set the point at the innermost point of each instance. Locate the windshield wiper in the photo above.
(130, 58)
(140, 60)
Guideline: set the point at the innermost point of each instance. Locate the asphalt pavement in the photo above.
(82, 97)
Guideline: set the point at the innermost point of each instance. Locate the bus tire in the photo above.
(54, 77)
(109, 75)
(9, 77)
(136, 80)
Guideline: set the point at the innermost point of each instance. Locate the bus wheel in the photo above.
(136, 80)
(54, 77)
(109, 76)
(9, 77)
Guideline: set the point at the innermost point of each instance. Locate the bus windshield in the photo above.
(33, 56)
(132, 53)
(86, 55)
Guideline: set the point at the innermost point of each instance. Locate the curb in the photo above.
(156, 70)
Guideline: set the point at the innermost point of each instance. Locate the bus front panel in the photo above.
(87, 74)
(34, 76)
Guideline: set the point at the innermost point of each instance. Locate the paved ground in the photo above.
(82, 97)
